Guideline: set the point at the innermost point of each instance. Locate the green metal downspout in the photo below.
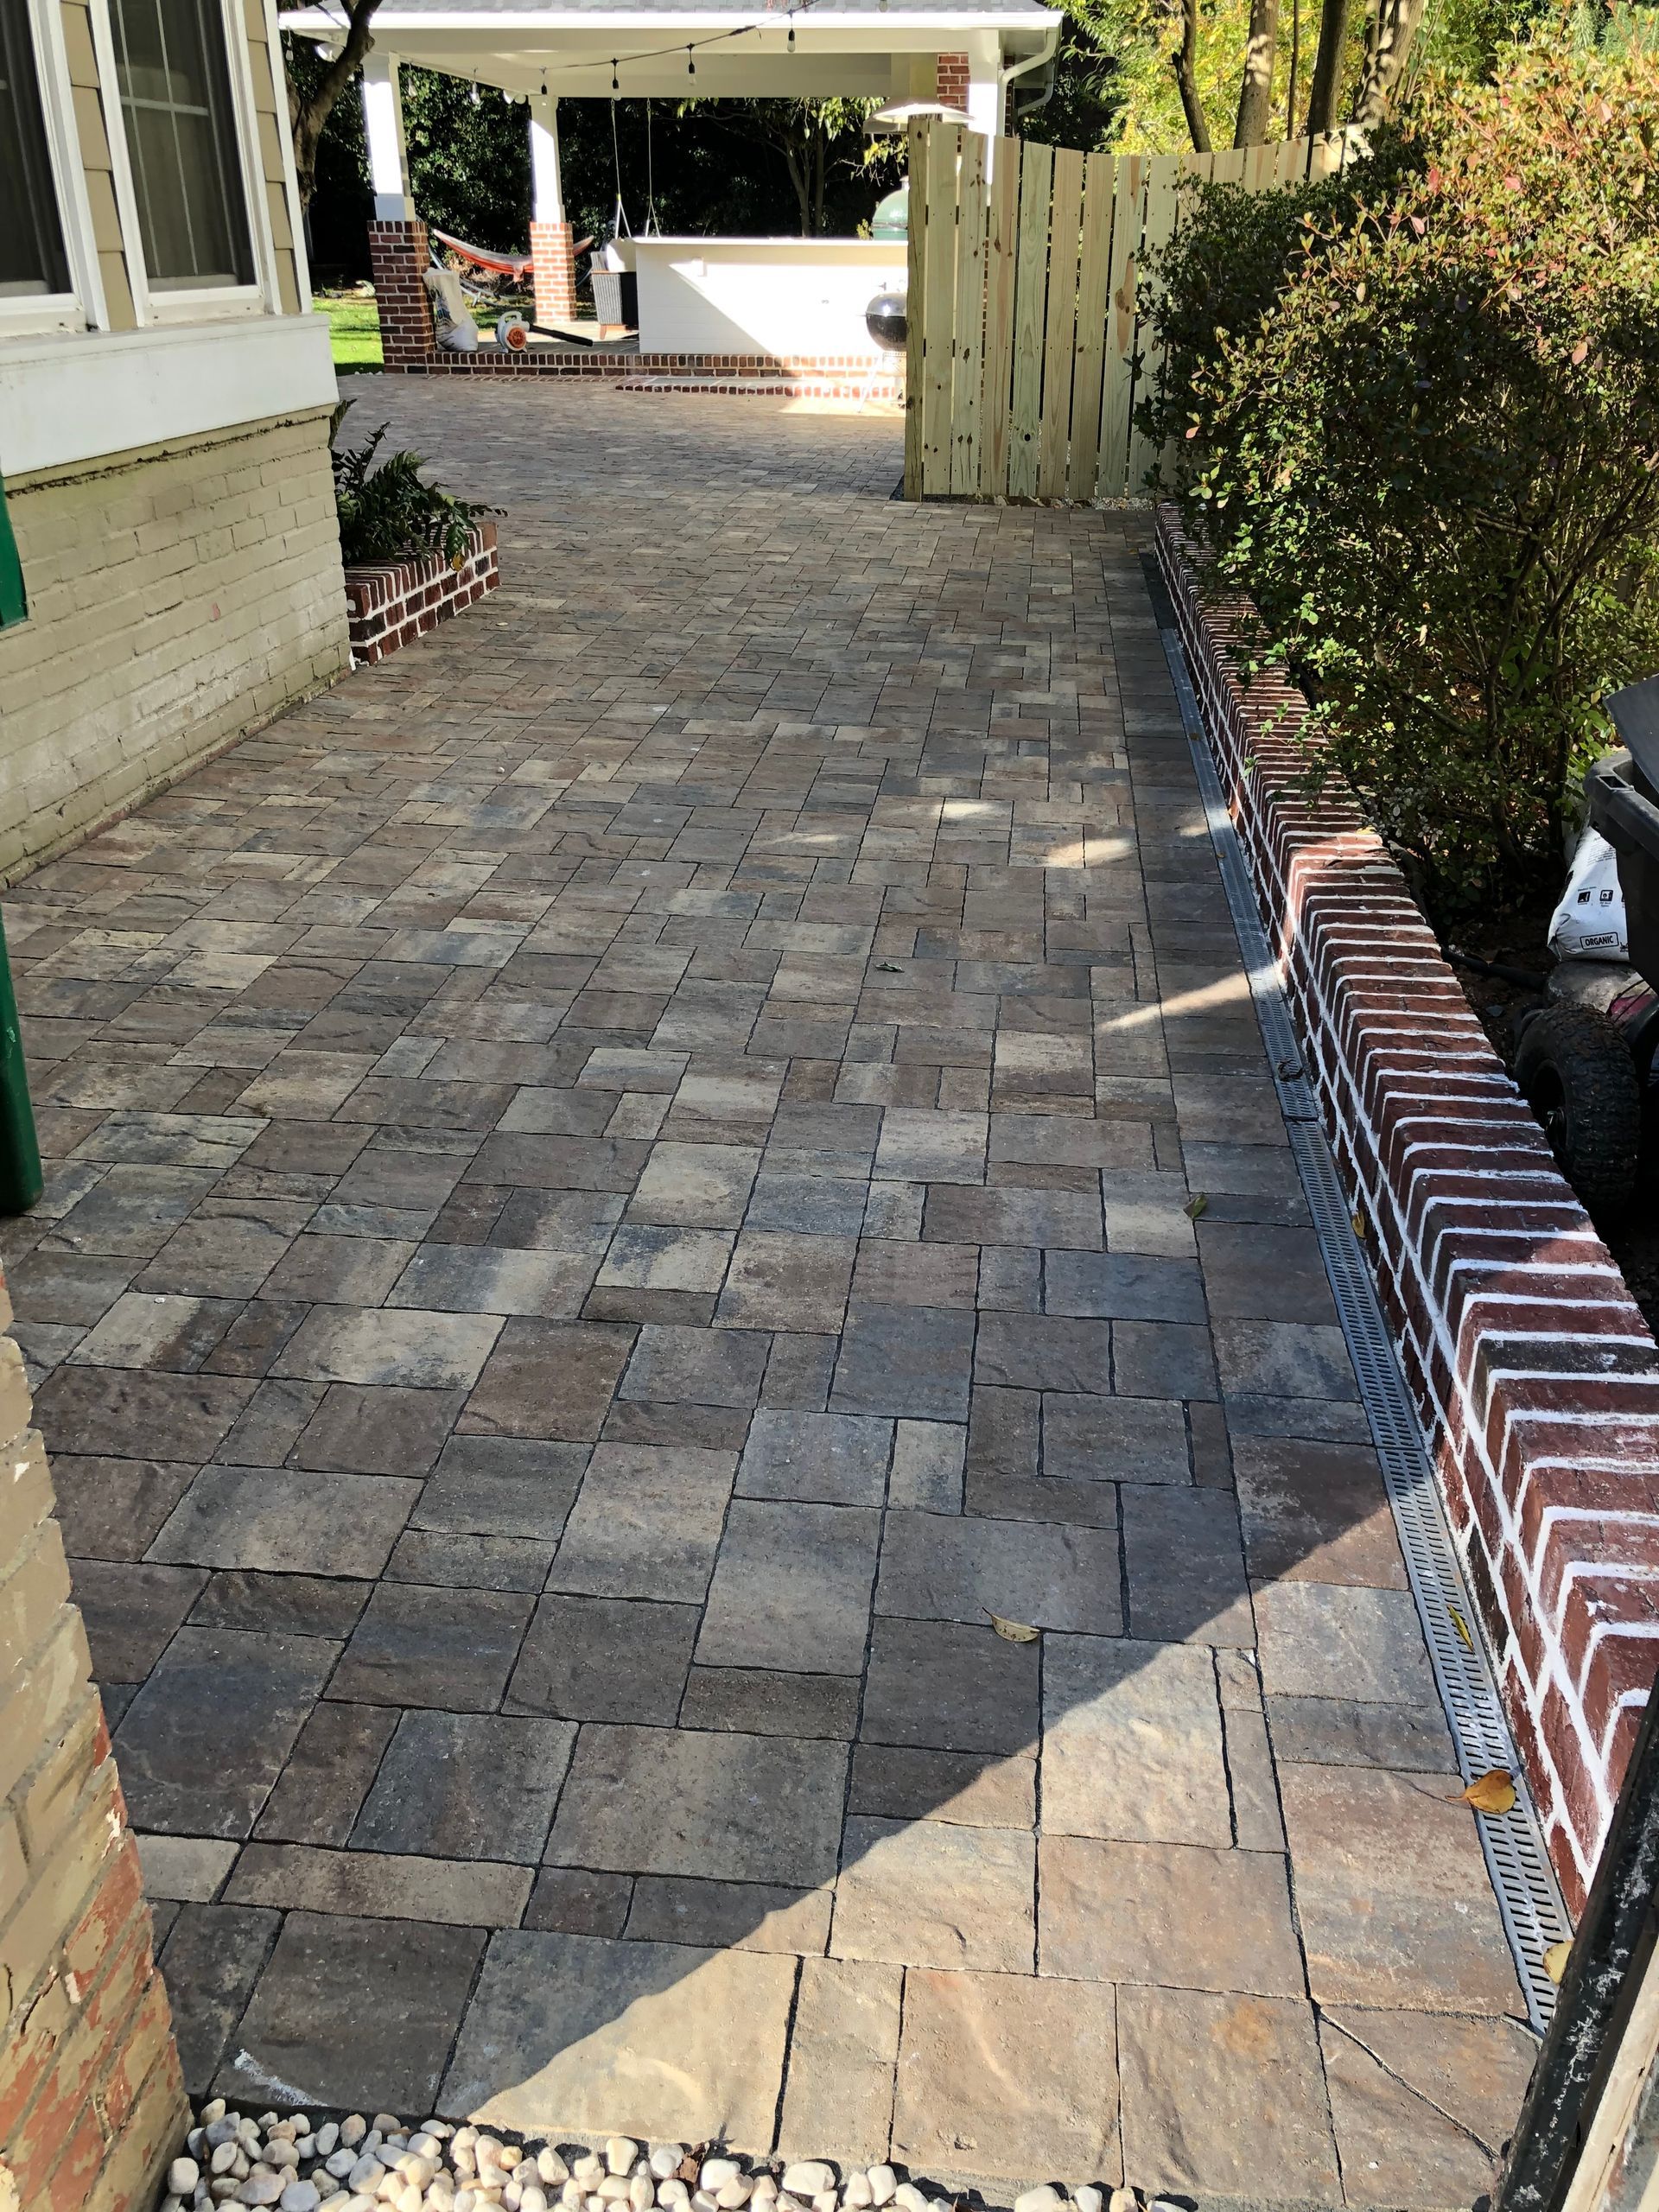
(13, 605)
(21, 1182)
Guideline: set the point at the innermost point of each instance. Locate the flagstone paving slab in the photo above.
(617, 1190)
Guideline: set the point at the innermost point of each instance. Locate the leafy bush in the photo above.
(390, 512)
(1417, 419)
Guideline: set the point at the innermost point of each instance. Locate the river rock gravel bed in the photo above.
(384, 2164)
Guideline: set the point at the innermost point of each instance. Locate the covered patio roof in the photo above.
(587, 49)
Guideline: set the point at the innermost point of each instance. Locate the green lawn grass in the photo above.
(354, 327)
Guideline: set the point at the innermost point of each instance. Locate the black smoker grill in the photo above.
(1586, 1057)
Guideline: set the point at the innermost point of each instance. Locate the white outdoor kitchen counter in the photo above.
(792, 298)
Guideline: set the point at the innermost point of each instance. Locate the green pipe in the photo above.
(21, 1182)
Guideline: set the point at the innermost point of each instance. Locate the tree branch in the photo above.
(307, 117)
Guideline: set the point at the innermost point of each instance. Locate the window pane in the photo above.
(32, 258)
(175, 98)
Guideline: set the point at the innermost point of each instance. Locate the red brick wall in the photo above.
(91, 2105)
(1535, 1378)
(952, 79)
(553, 246)
(398, 256)
(389, 602)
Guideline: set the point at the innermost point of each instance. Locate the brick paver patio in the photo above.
(621, 1185)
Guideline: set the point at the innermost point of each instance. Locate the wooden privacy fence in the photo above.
(1025, 357)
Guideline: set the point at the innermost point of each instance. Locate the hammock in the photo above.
(503, 264)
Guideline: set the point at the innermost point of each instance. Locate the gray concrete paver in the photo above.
(618, 1185)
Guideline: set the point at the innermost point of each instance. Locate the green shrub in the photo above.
(1419, 426)
(390, 512)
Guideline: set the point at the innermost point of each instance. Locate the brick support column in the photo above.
(91, 2104)
(950, 80)
(553, 246)
(399, 258)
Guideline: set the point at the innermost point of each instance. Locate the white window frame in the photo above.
(81, 307)
(209, 303)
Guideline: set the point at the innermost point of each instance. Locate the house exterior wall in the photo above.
(91, 2104)
(179, 596)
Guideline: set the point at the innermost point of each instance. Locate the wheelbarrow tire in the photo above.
(1576, 1072)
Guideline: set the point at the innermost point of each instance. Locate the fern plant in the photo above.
(389, 511)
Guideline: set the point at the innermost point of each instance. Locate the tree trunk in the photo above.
(1185, 60)
(306, 118)
(1327, 67)
(800, 175)
(1397, 22)
(1255, 92)
(1295, 62)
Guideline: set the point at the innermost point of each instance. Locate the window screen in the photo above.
(175, 101)
(32, 258)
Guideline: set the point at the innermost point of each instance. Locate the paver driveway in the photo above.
(623, 1187)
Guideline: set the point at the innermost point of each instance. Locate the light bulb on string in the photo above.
(543, 84)
(690, 66)
(791, 32)
(476, 95)
(616, 85)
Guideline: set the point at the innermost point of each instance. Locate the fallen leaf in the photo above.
(1014, 1631)
(1462, 1627)
(1357, 1220)
(1489, 1792)
(888, 967)
(1555, 1958)
(1198, 1204)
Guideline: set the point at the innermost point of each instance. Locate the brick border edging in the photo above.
(390, 602)
(1532, 1370)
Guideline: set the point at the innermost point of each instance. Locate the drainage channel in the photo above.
(1527, 1896)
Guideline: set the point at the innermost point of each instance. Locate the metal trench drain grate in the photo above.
(1527, 1897)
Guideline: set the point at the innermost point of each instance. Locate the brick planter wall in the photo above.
(1534, 1374)
(91, 2104)
(390, 602)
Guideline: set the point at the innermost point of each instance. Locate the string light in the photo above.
(655, 53)
(543, 84)
(690, 66)
(791, 30)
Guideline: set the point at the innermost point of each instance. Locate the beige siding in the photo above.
(176, 599)
(270, 108)
(95, 160)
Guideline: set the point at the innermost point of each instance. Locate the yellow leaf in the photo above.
(1490, 1793)
(1014, 1632)
(1555, 1958)
(1196, 1205)
(1462, 1627)
(1358, 1221)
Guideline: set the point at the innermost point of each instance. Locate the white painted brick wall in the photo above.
(124, 676)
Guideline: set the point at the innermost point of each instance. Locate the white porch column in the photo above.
(552, 243)
(546, 186)
(987, 99)
(382, 130)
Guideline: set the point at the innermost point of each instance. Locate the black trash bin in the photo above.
(1622, 797)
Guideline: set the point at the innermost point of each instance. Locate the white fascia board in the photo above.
(315, 23)
(87, 396)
